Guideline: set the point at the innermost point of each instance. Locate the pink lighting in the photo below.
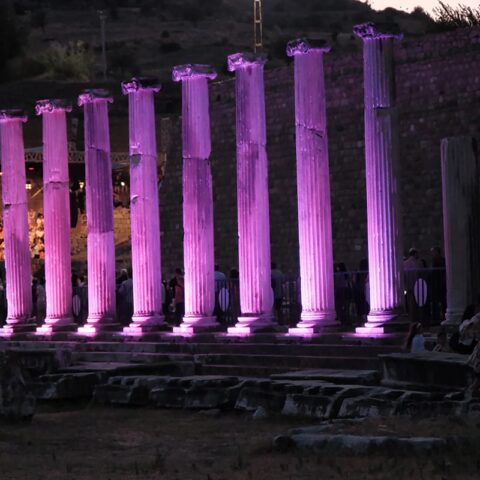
(256, 296)
(197, 200)
(58, 283)
(381, 163)
(145, 215)
(313, 189)
(15, 223)
(99, 202)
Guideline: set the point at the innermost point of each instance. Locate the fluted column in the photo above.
(56, 201)
(313, 189)
(381, 165)
(197, 200)
(144, 210)
(256, 295)
(99, 200)
(18, 268)
(461, 217)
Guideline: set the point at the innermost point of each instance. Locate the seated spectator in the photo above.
(442, 342)
(415, 340)
(463, 341)
(474, 359)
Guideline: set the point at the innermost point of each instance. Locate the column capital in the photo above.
(238, 61)
(141, 83)
(301, 46)
(373, 31)
(52, 105)
(12, 115)
(189, 71)
(95, 95)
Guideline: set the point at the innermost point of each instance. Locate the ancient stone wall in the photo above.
(438, 88)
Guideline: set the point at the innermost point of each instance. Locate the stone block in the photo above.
(366, 407)
(168, 397)
(307, 406)
(65, 386)
(250, 398)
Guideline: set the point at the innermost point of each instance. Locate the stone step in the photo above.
(243, 370)
(240, 348)
(291, 361)
(133, 357)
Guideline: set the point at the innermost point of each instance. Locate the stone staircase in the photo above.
(259, 356)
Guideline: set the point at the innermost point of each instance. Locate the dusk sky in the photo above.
(426, 4)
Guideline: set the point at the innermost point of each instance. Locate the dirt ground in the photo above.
(90, 442)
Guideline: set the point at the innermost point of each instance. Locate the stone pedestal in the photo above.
(18, 268)
(99, 202)
(461, 217)
(381, 165)
(313, 189)
(56, 201)
(197, 200)
(256, 295)
(144, 210)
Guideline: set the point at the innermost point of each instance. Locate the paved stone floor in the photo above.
(85, 442)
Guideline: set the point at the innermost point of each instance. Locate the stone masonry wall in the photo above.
(438, 88)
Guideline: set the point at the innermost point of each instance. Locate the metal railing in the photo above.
(424, 295)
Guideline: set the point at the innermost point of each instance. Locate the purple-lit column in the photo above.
(256, 295)
(197, 200)
(313, 189)
(99, 199)
(144, 210)
(18, 267)
(56, 201)
(381, 164)
(461, 204)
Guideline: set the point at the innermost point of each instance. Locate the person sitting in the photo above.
(474, 359)
(415, 340)
(463, 341)
(442, 342)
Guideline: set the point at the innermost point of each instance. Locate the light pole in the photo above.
(102, 16)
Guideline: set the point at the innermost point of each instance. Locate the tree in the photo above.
(448, 17)
(11, 36)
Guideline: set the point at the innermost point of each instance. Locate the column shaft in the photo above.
(256, 296)
(18, 268)
(56, 199)
(99, 203)
(144, 209)
(197, 200)
(313, 190)
(461, 204)
(381, 165)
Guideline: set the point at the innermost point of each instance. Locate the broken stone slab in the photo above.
(350, 377)
(17, 403)
(41, 361)
(250, 398)
(366, 407)
(168, 397)
(114, 394)
(361, 445)
(65, 386)
(423, 409)
(426, 371)
(315, 406)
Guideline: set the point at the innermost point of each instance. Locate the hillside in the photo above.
(148, 37)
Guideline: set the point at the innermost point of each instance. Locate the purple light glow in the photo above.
(58, 283)
(144, 209)
(381, 164)
(99, 200)
(18, 268)
(313, 189)
(197, 200)
(256, 296)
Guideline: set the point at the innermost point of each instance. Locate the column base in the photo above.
(379, 324)
(96, 325)
(310, 330)
(196, 324)
(56, 325)
(312, 323)
(14, 328)
(145, 324)
(452, 318)
(253, 324)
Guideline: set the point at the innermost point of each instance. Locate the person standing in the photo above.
(177, 284)
(277, 286)
(411, 266)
